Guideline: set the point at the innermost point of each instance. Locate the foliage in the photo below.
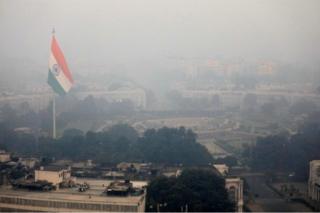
(172, 146)
(120, 143)
(199, 190)
(280, 153)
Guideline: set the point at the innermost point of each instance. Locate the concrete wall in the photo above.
(54, 177)
(27, 204)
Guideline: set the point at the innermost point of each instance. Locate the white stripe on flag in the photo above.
(61, 78)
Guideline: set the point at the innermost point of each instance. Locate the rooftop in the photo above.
(93, 195)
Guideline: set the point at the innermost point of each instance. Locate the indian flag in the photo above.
(59, 77)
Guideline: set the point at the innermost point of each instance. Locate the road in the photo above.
(266, 200)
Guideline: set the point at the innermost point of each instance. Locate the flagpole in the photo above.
(54, 117)
(53, 106)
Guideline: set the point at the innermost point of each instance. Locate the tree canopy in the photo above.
(195, 190)
(120, 143)
(284, 153)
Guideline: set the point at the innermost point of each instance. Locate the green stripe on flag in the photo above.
(52, 81)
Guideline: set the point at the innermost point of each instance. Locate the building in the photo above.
(119, 188)
(136, 95)
(222, 168)
(234, 186)
(72, 200)
(53, 174)
(4, 156)
(125, 166)
(29, 162)
(113, 175)
(36, 101)
(314, 181)
(82, 165)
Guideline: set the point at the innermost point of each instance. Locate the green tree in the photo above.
(200, 190)
(173, 146)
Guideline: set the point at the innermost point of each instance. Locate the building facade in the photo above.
(52, 174)
(70, 199)
(234, 187)
(314, 181)
(32, 201)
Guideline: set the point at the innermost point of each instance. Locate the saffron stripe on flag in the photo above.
(56, 51)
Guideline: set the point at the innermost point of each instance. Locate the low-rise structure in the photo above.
(83, 165)
(119, 188)
(234, 186)
(114, 175)
(125, 166)
(29, 162)
(4, 156)
(222, 168)
(314, 181)
(71, 200)
(53, 174)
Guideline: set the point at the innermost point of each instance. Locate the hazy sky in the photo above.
(137, 36)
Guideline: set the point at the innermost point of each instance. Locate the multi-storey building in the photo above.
(71, 199)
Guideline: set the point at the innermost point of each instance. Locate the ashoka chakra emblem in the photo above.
(56, 69)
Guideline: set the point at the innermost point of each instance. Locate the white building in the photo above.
(222, 168)
(53, 174)
(234, 186)
(314, 181)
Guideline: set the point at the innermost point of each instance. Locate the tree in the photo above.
(280, 153)
(200, 190)
(123, 130)
(173, 146)
(120, 143)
